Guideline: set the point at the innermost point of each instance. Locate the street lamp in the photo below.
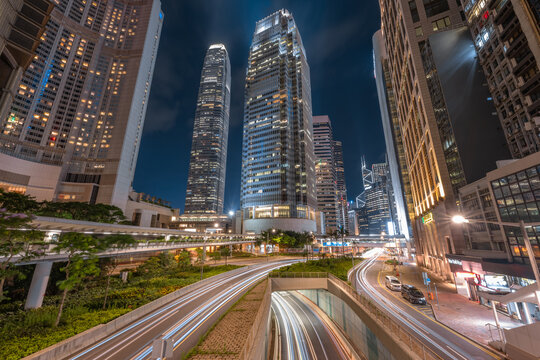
(460, 219)
(267, 240)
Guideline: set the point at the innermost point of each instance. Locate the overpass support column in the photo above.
(38, 285)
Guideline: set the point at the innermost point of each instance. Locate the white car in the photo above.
(392, 283)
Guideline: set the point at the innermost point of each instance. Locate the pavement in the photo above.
(455, 311)
(440, 340)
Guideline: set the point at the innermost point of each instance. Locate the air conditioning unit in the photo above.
(513, 62)
(528, 100)
(520, 81)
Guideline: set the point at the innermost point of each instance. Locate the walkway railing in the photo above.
(278, 274)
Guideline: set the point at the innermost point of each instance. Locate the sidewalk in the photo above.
(455, 311)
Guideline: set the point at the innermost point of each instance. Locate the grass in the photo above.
(24, 332)
(336, 266)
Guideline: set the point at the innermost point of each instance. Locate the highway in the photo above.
(445, 342)
(302, 332)
(183, 320)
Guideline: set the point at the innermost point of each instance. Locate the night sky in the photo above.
(337, 38)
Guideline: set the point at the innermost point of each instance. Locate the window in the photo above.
(441, 24)
(434, 7)
(414, 11)
(419, 31)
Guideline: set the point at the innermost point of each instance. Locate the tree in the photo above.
(215, 256)
(18, 242)
(225, 251)
(184, 260)
(116, 241)
(80, 250)
(14, 202)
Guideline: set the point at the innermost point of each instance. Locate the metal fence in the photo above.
(278, 274)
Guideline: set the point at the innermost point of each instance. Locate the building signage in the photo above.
(455, 262)
(335, 243)
(426, 219)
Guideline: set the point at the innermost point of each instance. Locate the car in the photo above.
(412, 294)
(392, 283)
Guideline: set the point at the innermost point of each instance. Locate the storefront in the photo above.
(474, 282)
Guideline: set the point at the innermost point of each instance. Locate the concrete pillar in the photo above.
(38, 285)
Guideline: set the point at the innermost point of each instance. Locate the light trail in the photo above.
(147, 323)
(207, 310)
(408, 320)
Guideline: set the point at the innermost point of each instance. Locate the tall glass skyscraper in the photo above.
(278, 168)
(206, 179)
(74, 128)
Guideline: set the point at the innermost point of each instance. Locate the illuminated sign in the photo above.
(455, 262)
(426, 219)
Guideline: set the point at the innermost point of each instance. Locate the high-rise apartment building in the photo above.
(506, 35)
(208, 163)
(278, 166)
(74, 128)
(341, 186)
(326, 172)
(22, 23)
(395, 150)
(448, 123)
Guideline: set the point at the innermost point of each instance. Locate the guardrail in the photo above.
(277, 274)
(410, 340)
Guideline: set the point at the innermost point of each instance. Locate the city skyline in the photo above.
(158, 131)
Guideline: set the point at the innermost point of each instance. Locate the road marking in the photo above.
(438, 323)
(455, 352)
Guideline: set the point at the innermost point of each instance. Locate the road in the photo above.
(302, 333)
(445, 342)
(183, 320)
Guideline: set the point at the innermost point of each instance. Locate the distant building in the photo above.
(506, 38)
(328, 200)
(204, 223)
(74, 128)
(278, 163)
(341, 186)
(379, 203)
(208, 163)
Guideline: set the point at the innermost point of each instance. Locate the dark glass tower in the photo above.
(206, 179)
(278, 168)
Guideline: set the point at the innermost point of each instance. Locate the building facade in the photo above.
(447, 122)
(74, 128)
(208, 163)
(278, 163)
(22, 23)
(506, 36)
(341, 185)
(395, 150)
(326, 172)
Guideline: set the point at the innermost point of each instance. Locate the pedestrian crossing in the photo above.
(426, 309)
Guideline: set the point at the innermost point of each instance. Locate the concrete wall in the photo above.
(256, 344)
(523, 343)
(40, 180)
(76, 343)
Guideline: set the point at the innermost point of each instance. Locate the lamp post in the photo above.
(203, 254)
(267, 240)
(460, 219)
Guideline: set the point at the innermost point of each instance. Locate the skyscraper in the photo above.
(75, 125)
(395, 151)
(341, 186)
(22, 23)
(506, 35)
(278, 167)
(206, 179)
(326, 172)
(448, 127)
(379, 206)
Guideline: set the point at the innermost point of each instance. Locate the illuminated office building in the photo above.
(449, 128)
(341, 186)
(206, 178)
(506, 35)
(326, 172)
(278, 166)
(74, 128)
